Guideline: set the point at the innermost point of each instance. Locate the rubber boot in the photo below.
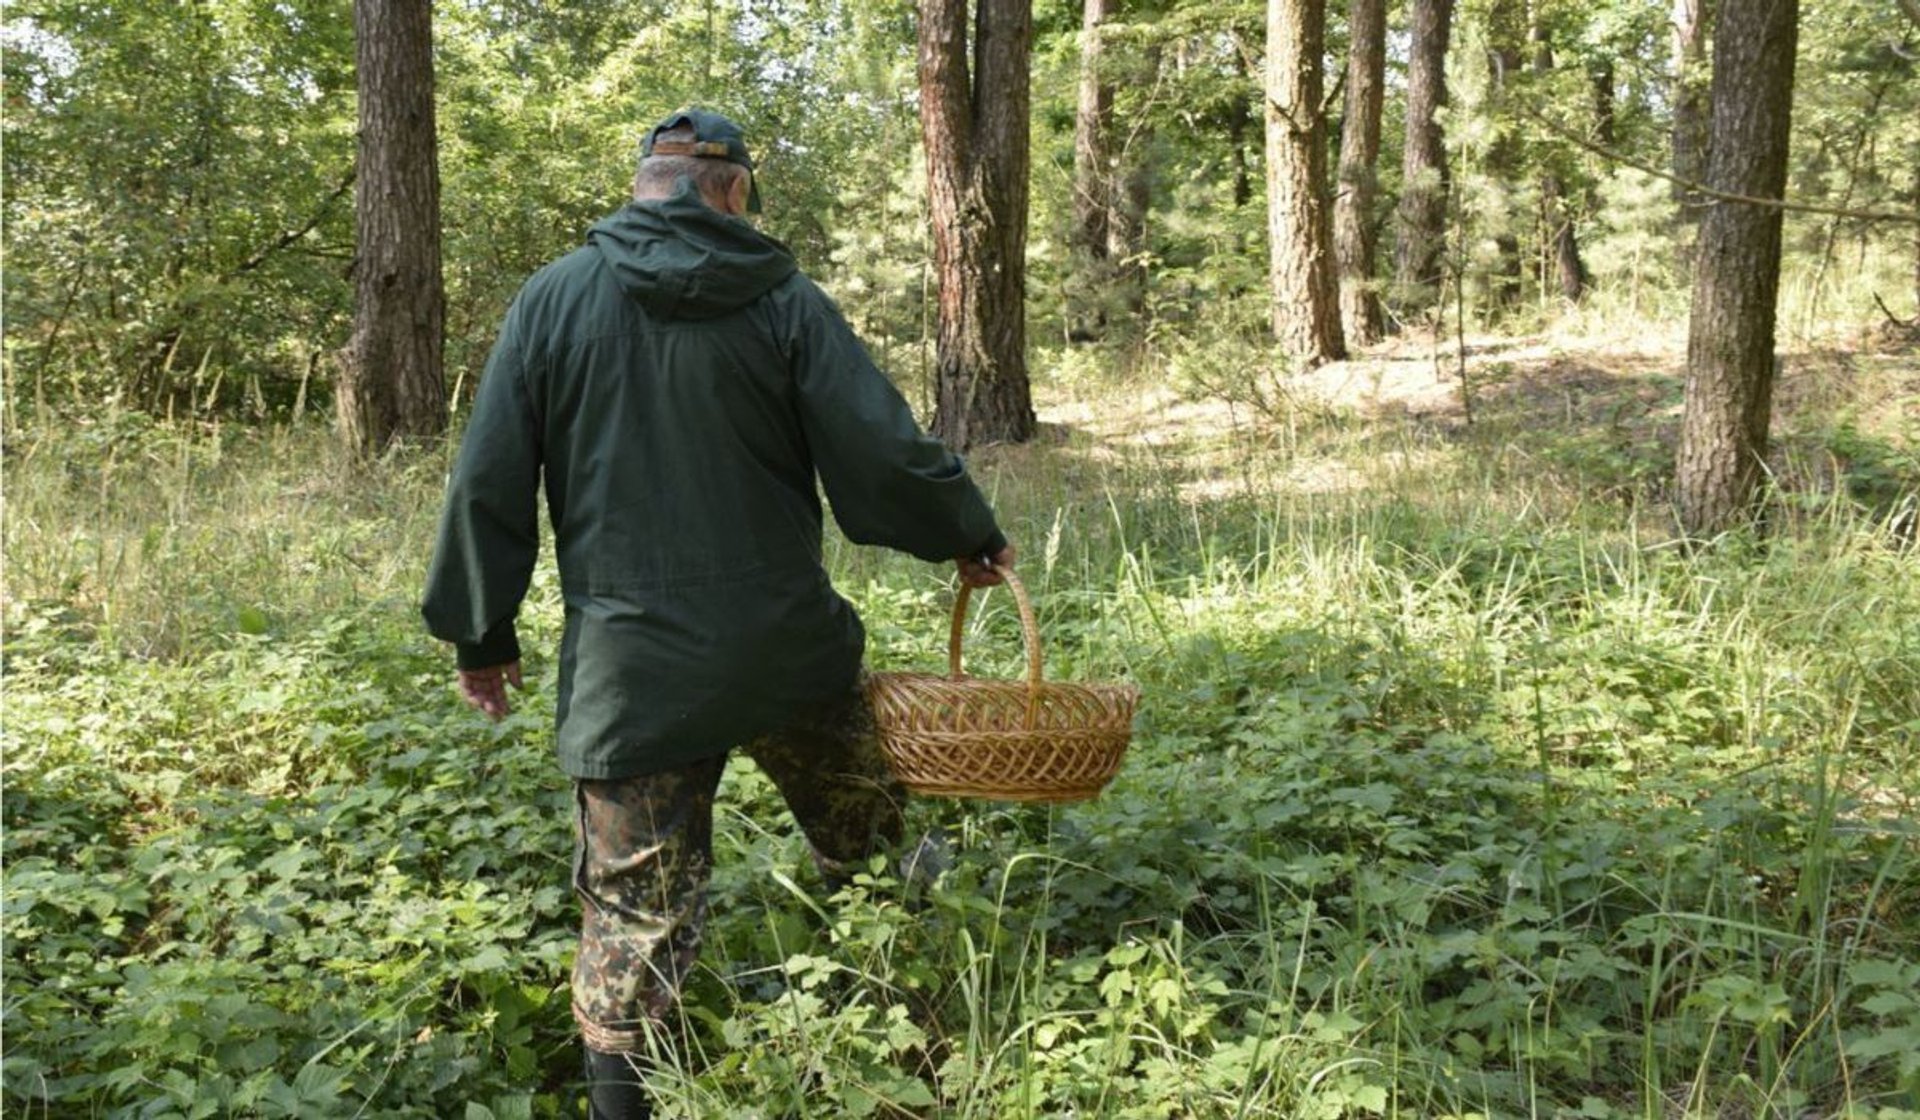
(615, 1090)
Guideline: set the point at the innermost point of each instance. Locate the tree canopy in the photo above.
(178, 176)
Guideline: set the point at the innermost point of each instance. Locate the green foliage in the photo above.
(1457, 791)
(177, 188)
(1632, 249)
(1880, 474)
(1448, 798)
(178, 191)
(177, 200)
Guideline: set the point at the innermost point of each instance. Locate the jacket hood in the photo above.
(682, 259)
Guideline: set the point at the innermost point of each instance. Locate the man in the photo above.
(679, 384)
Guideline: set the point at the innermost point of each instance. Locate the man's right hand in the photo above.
(486, 689)
(978, 571)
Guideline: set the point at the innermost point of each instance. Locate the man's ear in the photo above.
(737, 194)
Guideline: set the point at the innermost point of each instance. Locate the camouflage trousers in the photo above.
(643, 852)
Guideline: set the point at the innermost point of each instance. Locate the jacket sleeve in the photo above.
(889, 483)
(489, 530)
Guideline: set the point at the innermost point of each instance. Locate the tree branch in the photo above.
(1286, 114)
(1703, 190)
(293, 235)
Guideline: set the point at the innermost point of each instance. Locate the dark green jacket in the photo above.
(679, 383)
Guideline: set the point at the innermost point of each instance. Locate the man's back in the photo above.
(679, 383)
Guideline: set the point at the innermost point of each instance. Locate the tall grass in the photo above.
(1459, 789)
(164, 541)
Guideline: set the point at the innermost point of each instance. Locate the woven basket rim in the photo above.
(993, 743)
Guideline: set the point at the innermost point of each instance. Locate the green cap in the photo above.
(714, 137)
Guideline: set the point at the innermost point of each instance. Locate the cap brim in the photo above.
(753, 193)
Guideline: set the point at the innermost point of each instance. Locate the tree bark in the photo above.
(1132, 199)
(1305, 294)
(1692, 109)
(1563, 247)
(974, 128)
(1353, 229)
(1600, 78)
(1504, 158)
(1239, 118)
(1421, 219)
(1093, 179)
(392, 384)
(1730, 359)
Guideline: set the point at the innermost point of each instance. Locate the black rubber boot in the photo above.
(615, 1090)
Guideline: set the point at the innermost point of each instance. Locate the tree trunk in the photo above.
(1093, 180)
(1730, 359)
(1239, 117)
(392, 385)
(1305, 294)
(1692, 111)
(1360, 314)
(974, 128)
(1600, 77)
(1563, 249)
(1503, 160)
(1421, 219)
(1503, 164)
(1133, 197)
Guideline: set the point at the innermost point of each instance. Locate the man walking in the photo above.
(678, 384)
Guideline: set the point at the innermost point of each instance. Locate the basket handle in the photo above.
(1029, 627)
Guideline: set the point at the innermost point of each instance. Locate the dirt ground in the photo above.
(1579, 379)
(1622, 393)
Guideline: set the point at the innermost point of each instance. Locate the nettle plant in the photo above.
(1438, 805)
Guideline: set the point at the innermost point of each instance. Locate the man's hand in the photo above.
(978, 571)
(486, 689)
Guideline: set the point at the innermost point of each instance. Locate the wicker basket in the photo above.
(957, 736)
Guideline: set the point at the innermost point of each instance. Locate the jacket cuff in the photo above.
(498, 646)
(993, 546)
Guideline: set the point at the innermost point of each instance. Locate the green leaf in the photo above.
(490, 958)
(1886, 1043)
(1891, 1003)
(1373, 1098)
(1884, 974)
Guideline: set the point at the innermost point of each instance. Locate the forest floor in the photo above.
(1565, 382)
(1621, 390)
(1458, 787)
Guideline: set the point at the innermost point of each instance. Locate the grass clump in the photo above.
(1457, 790)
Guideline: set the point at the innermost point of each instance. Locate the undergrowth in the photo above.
(1457, 790)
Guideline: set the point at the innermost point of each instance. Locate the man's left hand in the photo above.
(486, 689)
(983, 571)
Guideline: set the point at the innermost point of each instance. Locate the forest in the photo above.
(1486, 431)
